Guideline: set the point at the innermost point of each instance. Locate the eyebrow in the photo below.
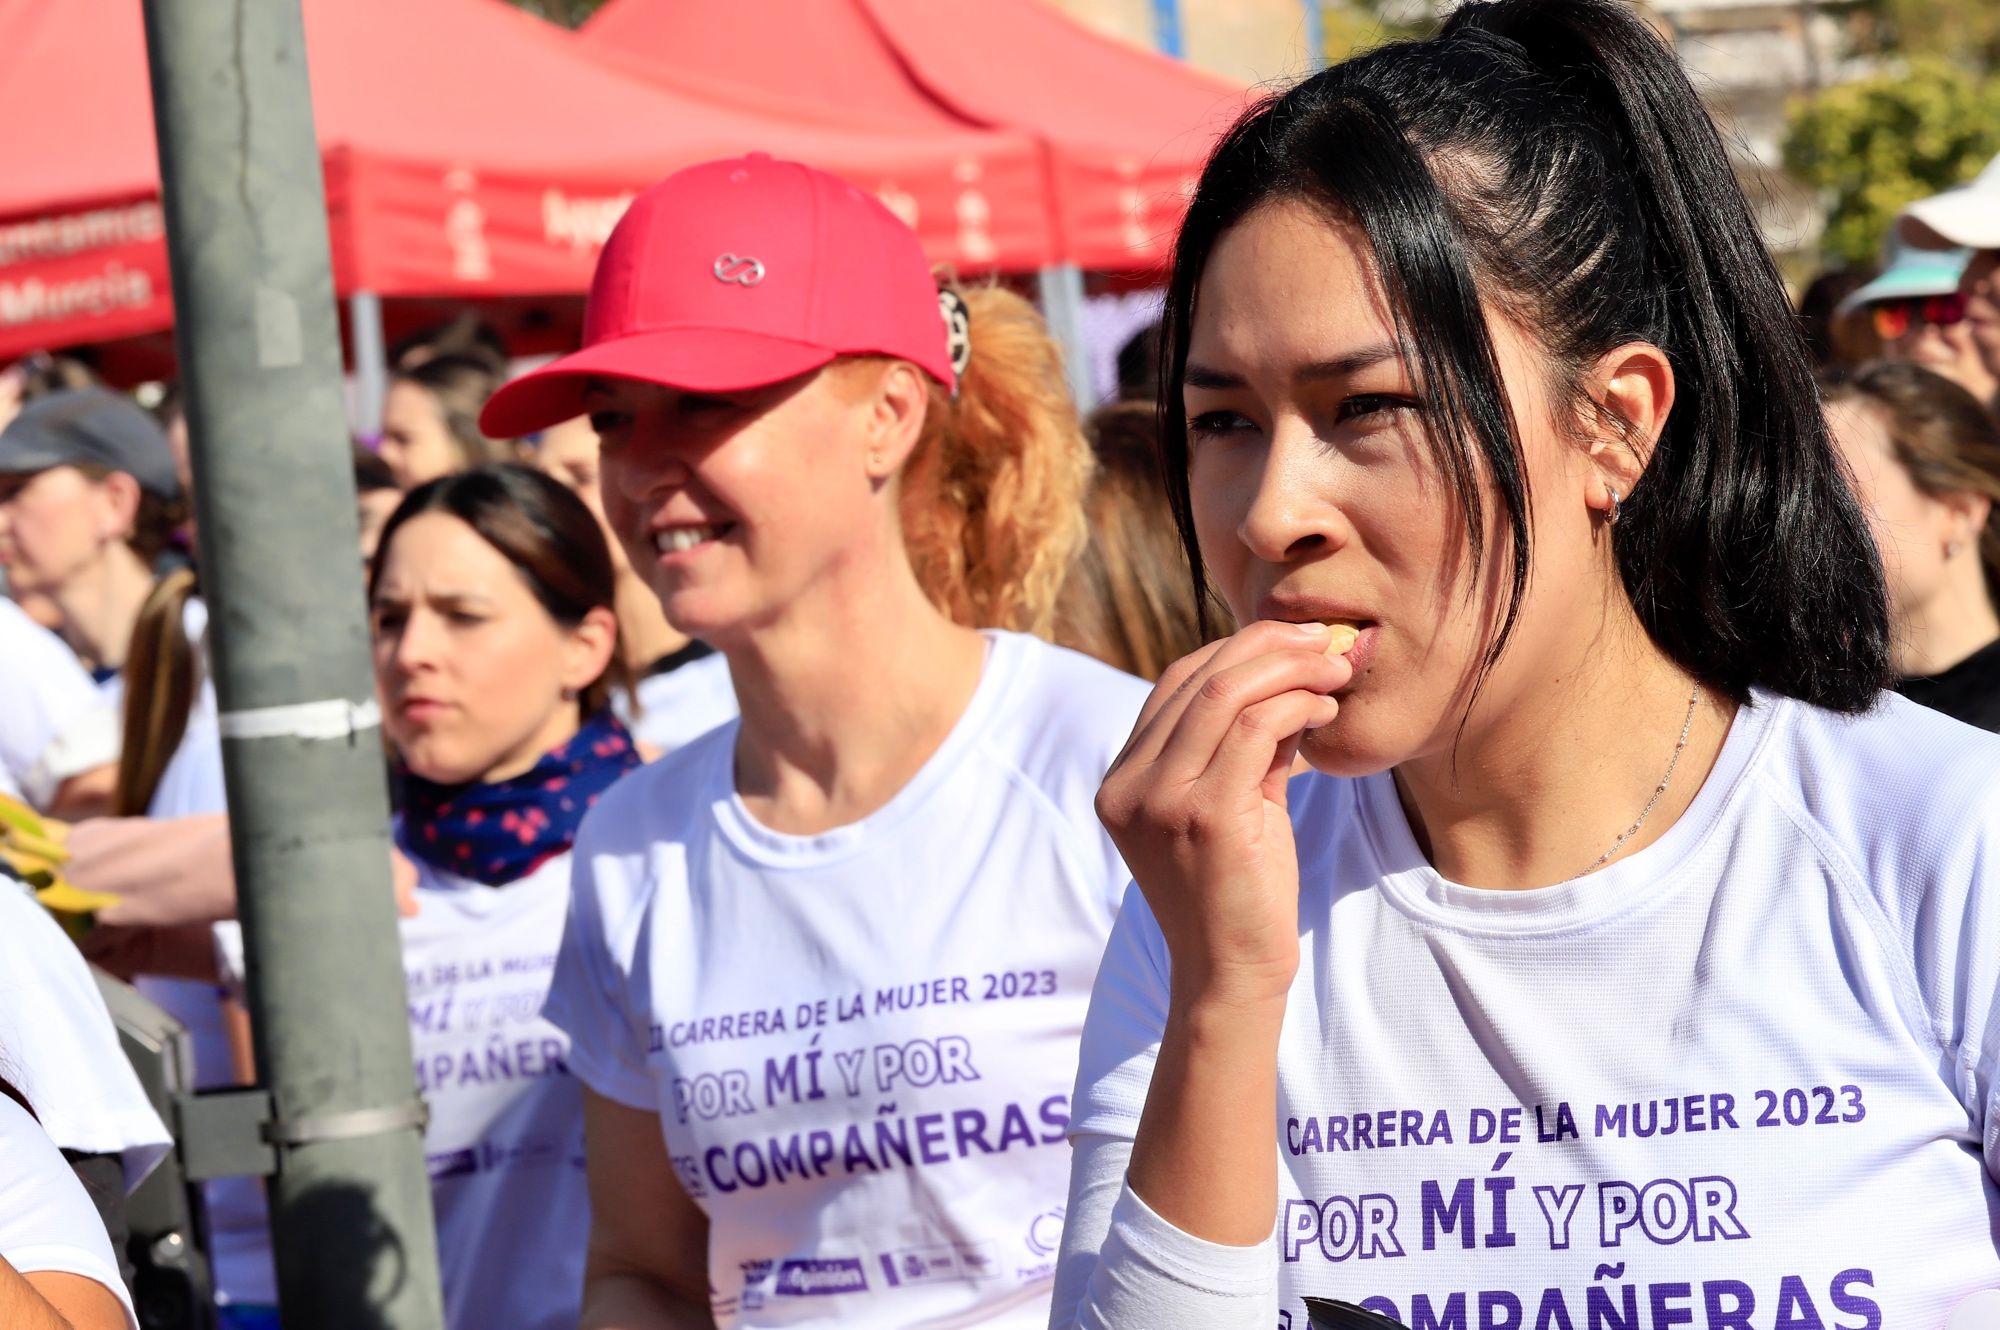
(454, 599)
(1340, 367)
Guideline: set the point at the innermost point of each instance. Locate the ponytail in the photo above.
(992, 497)
(1550, 160)
(162, 676)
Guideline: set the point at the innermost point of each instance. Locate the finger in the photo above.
(1257, 750)
(1183, 680)
(1224, 696)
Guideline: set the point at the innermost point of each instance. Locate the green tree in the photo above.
(1354, 26)
(1875, 145)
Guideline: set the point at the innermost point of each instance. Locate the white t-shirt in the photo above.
(1745, 1077)
(60, 1048)
(47, 1223)
(682, 704)
(861, 1043)
(505, 1142)
(53, 722)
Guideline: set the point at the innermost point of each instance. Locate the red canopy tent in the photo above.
(469, 150)
(1124, 131)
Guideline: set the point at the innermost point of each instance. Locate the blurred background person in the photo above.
(1969, 217)
(1925, 456)
(58, 734)
(682, 687)
(88, 501)
(89, 497)
(1918, 314)
(465, 335)
(376, 495)
(1127, 600)
(495, 656)
(838, 504)
(430, 419)
(1839, 335)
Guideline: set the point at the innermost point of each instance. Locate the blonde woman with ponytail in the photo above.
(825, 968)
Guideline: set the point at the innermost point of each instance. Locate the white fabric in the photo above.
(1799, 977)
(861, 1043)
(681, 705)
(191, 784)
(505, 1142)
(53, 723)
(58, 1045)
(47, 1223)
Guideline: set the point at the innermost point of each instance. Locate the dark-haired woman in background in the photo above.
(495, 648)
(430, 419)
(1926, 459)
(1127, 600)
(1630, 958)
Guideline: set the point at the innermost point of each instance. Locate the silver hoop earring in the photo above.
(1611, 518)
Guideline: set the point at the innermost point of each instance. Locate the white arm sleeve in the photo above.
(1124, 1266)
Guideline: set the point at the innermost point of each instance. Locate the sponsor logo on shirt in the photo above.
(820, 1278)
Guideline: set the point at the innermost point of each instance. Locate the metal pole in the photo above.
(1315, 35)
(260, 355)
(371, 362)
(1061, 290)
(1167, 27)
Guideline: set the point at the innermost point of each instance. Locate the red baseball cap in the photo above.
(736, 274)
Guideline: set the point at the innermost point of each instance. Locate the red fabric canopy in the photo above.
(1125, 131)
(469, 151)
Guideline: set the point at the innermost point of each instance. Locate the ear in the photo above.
(895, 418)
(1631, 390)
(587, 654)
(1965, 516)
(118, 500)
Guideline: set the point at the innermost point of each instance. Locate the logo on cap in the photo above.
(744, 271)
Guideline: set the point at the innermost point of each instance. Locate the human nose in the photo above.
(642, 471)
(417, 644)
(1292, 514)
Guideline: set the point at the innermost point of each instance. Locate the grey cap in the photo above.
(91, 426)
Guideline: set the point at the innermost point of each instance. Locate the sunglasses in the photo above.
(1894, 318)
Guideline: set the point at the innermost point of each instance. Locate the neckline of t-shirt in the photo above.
(779, 849)
(1421, 891)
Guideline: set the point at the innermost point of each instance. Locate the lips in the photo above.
(421, 709)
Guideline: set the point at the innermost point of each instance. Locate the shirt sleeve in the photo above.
(47, 1223)
(61, 1048)
(1121, 1035)
(1122, 1265)
(590, 997)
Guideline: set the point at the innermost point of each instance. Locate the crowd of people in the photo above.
(1474, 808)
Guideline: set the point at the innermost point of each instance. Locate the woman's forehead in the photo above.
(1287, 284)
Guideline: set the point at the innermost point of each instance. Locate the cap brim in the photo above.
(1968, 217)
(25, 450)
(714, 360)
(1894, 285)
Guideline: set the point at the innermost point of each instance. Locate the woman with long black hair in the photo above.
(1629, 958)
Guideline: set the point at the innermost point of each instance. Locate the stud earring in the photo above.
(1952, 549)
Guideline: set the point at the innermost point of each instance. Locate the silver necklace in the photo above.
(1687, 726)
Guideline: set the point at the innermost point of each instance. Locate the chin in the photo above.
(439, 764)
(1351, 746)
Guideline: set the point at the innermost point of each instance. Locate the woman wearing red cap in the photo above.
(825, 968)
